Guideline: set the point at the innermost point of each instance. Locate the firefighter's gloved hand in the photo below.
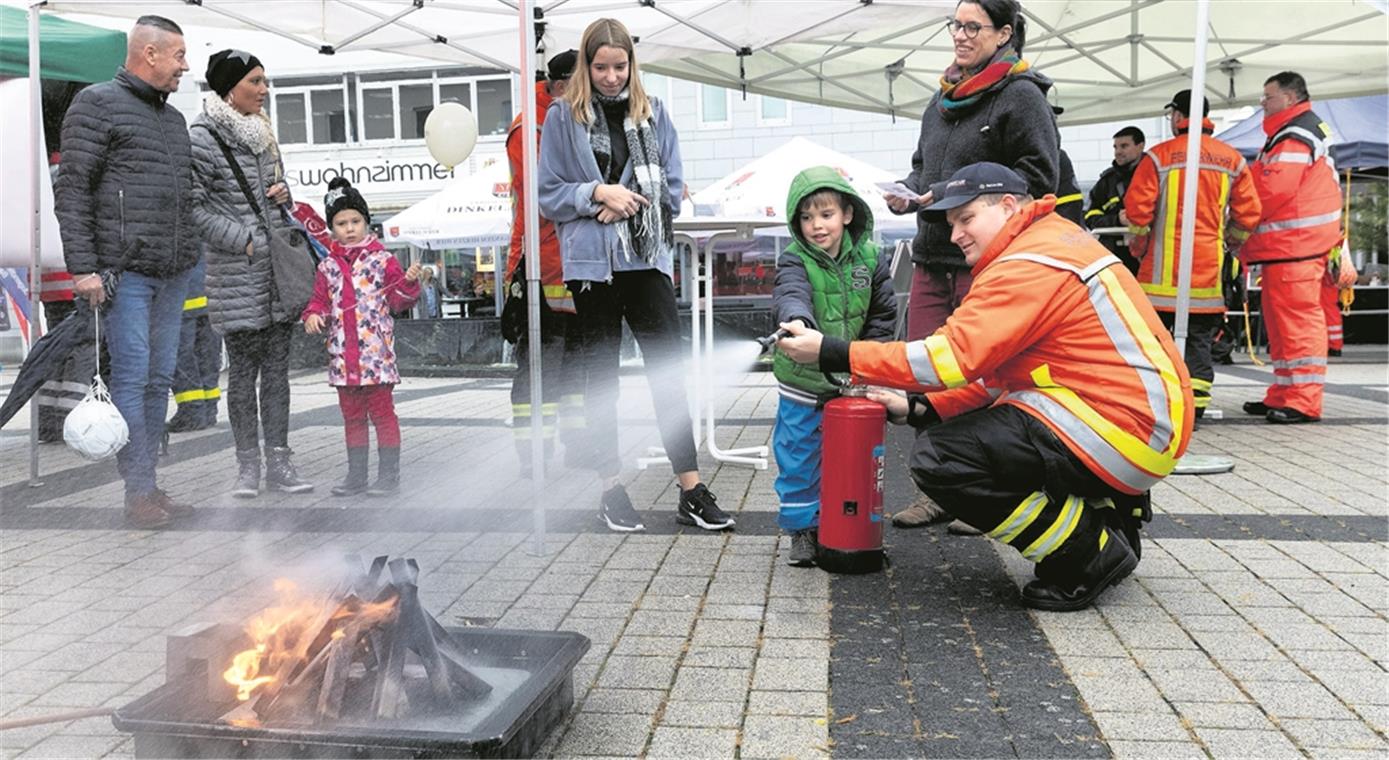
(894, 401)
(921, 414)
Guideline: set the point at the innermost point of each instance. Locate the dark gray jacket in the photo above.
(124, 188)
(1011, 125)
(240, 290)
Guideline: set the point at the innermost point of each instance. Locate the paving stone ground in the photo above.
(1257, 624)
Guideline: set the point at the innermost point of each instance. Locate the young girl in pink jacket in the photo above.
(356, 289)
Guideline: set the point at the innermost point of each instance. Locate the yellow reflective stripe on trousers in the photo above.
(195, 303)
(943, 359)
(1197, 384)
(183, 397)
(212, 394)
(1059, 531)
(1021, 517)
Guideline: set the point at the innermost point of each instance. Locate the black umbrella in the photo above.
(49, 353)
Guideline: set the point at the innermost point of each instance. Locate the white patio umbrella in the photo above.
(471, 211)
(759, 188)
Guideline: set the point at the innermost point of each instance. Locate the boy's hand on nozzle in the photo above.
(413, 273)
(313, 325)
(894, 401)
(802, 344)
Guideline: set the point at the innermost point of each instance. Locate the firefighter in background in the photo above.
(1337, 293)
(560, 365)
(1107, 196)
(199, 361)
(1083, 402)
(1227, 208)
(1300, 225)
(55, 398)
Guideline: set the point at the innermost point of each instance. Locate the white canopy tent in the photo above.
(758, 188)
(471, 211)
(1111, 58)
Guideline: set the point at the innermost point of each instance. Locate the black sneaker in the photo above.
(802, 549)
(699, 507)
(617, 511)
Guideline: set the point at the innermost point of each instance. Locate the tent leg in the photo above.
(36, 165)
(531, 245)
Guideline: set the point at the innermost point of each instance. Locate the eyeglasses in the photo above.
(970, 28)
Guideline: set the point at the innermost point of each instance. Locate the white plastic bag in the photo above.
(95, 428)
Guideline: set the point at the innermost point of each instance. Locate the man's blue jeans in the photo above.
(141, 330)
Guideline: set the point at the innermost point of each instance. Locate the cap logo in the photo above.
(333, 196)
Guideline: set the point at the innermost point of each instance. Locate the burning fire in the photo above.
(282, 635)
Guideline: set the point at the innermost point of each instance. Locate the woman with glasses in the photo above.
(991, 106)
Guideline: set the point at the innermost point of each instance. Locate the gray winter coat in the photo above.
(123, 196)
(1011, 125)
(240, 290)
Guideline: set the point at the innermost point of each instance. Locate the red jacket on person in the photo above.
(1299, 189)
(551, 263)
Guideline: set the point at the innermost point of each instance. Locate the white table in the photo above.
(701, 271)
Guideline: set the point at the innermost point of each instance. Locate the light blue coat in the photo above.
(568, 175)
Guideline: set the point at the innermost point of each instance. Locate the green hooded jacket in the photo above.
(848, 296)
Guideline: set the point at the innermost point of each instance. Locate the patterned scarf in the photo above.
(250, 130)
(648, 233)
(958, 91)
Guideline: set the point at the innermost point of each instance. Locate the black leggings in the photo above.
(646, 300)
(262, 354)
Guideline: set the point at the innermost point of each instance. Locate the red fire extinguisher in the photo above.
(851, 484)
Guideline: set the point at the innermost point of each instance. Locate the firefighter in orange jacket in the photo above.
(1084, 403)
(1301, 224)
(560, 364)
(1227, 208)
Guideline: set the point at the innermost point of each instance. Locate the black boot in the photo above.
(356, 480)
(188, 418)
(209, 413)
(387, 473)
(248, 476)
(280, 474)
(1065, 588)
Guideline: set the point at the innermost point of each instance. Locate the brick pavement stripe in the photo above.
(674, 742)
(784, 736)
(711, 684)
(806, 703)
(774, 674)
(702, 714)
(1148, 726)
(1235, 742)
(633, 701)
(1344, 734)
(1156, 750)
(606, 735)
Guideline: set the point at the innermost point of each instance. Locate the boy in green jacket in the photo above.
(831, 278)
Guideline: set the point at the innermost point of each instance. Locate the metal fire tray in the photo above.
(533, 690)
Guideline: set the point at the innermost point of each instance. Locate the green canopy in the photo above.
(68, 50)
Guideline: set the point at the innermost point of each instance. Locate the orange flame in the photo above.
(281, 635)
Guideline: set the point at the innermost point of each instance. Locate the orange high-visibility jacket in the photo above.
(1299, 188)
(551, 262)
(1056, 326)
(1154, 207)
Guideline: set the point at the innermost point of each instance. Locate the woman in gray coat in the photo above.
(241, 292)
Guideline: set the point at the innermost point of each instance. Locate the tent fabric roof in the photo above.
(67, 50)
(1359, 127)
(1110, 59)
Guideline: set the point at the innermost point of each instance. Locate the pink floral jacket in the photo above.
(356, 289)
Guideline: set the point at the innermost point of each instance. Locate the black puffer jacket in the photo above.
(1011, 125)
(124, 190)
(240, 289)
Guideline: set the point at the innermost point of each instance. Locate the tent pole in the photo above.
(531, 238)
(1193, 170)
(36, 165)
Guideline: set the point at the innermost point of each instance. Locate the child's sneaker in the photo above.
(802, 549)
(617, 511)
(699, 507)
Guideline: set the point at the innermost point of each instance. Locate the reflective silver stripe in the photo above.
(1100, 265)
(1196, 303)
(56, 402)
(1231, 171)
(1061, 528)
(1306, 361)
(1297, 224)
(920, 361)
(1025, 513)
(1291, 158)
(1089, 441)
(66, 386)
(1318, 141)
(1310, 378)
(1128, 349)
(1038, 258)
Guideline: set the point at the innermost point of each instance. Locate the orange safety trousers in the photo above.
(1331, 308)
(1292, 311)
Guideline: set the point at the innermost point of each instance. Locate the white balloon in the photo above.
(450, 132)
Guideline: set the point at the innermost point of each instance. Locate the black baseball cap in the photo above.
(970, 182)
(1182, 102)
(562, 65)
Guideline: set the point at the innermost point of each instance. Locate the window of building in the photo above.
(416, 103)
(378, 113)
(773, 112)
(713, 107)
(316, 115)
(493, 110)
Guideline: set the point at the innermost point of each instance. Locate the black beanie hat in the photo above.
(227, 67)
(342, 196)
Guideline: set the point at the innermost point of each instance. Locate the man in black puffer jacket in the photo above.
(123, 202)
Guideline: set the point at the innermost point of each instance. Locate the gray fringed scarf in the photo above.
(648, 233)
